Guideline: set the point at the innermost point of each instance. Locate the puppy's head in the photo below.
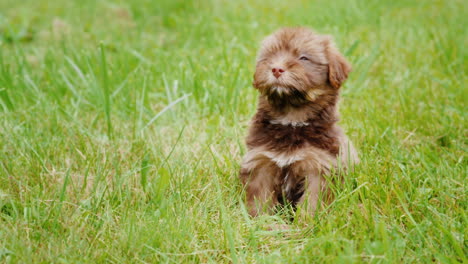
(296, 66)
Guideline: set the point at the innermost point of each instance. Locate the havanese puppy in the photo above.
(294, 140)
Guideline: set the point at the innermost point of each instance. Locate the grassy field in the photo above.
(122, 126)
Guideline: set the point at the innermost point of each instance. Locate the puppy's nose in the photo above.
(277, 72)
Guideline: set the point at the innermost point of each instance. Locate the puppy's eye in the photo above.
(303, 58)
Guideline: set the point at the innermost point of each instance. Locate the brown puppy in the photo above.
(294, 139)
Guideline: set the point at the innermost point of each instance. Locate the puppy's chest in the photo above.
(285, 159)
(279, 136)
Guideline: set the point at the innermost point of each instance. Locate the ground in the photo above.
(122, 127)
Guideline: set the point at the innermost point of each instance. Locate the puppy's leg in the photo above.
(260, 177)
(314, 183)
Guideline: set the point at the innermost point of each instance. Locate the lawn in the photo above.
(122, 127)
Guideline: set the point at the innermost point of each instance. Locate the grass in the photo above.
(122, 127)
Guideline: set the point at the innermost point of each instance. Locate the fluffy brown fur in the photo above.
(294, 139)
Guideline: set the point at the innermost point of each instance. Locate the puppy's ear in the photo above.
(255, 81)
(338, 66)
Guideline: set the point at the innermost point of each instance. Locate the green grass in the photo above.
(122, 127)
